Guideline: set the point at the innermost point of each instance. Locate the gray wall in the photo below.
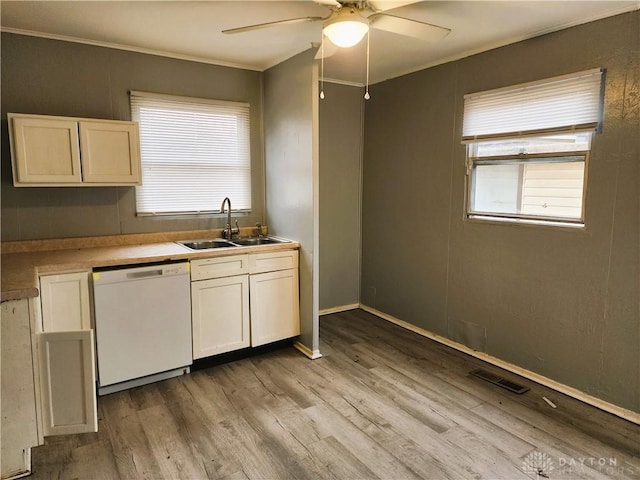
(291, 164)
(60, 78)
(341, 117)
(559, 302)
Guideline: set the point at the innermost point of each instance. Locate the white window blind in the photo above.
(560, 104)
(195, 152)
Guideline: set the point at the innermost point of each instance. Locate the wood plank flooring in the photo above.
(382, 403)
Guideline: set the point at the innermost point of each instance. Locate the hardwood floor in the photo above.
(382, 403)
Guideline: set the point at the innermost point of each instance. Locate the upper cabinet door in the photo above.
(110, 152)
(44, 150)
(50, 151)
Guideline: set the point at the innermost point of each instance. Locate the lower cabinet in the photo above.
(66, 355)
(18, 410)
(220, 315)
(68, 382)
(244, 300)
(274, 292)
(219, 305)
(47, 369)
(65, 300)
(48, 359)
(274, 306)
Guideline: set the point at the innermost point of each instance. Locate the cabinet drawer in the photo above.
(219, 267)
(272, 261)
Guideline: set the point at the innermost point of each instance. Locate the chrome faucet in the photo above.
(228, 232)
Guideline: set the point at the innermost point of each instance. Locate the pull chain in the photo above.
(322, 68)
(366, 93)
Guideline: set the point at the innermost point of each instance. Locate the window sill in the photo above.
(192, 215)
(524, 221)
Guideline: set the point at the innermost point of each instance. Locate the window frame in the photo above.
(570, 104)
(473, 161)
(199, 103)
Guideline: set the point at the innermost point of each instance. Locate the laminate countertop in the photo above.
(20, 269)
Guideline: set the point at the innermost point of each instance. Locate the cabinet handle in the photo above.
(148, 273)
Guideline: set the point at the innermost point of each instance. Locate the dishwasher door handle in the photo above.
(145, 274)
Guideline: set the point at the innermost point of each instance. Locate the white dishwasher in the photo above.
(143, 324)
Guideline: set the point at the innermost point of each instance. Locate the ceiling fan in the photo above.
(349, 21)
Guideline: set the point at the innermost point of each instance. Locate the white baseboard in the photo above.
(547, 382)
(312, 354)
(342, 308)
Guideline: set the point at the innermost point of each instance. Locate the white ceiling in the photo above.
(192, 30)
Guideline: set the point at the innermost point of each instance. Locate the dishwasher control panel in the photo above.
(176, 269)
(134, 272)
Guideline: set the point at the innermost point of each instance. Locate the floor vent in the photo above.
(498, 380)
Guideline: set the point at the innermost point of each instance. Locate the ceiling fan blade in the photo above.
(328, 3)
(408, 28)
(382, 5)
(258, 26)
(327, 50)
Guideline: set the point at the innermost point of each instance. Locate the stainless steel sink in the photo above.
(207, 244)
(250, 241)
(236, 242)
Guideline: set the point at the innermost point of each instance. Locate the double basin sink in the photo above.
(235, 242)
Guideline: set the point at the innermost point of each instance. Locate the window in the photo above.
(195, 152)
(528, 149)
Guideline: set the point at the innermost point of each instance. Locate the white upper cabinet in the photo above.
(45, 150)
(62, 151)
(110, 152)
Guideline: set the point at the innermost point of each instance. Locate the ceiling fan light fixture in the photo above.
(346, 30)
